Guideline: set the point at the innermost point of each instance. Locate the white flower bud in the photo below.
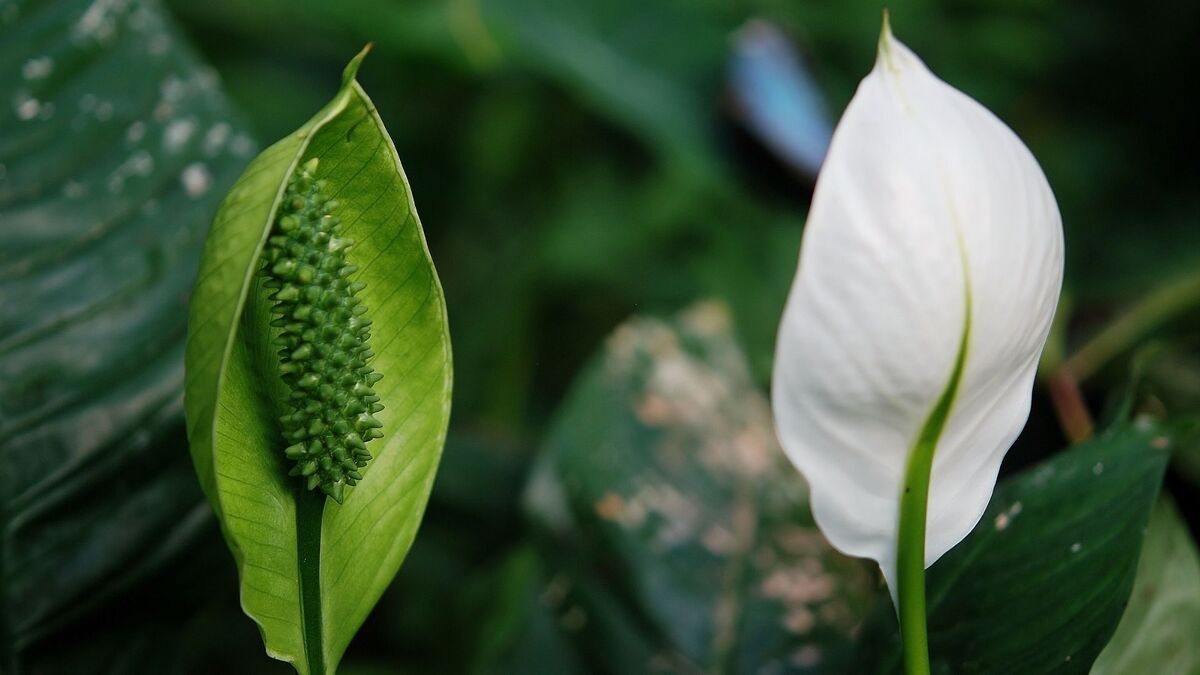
(933, 241)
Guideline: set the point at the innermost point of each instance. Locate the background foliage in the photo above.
(575, 165)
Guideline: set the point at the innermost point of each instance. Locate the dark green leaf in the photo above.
(682, 534)
(116, 146)
(1158, 631)
(1040, 584)
(654, 67)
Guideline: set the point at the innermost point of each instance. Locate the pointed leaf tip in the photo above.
(351, 70)
(886, 38)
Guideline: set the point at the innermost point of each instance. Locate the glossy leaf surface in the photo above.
(1041, 583)
(115, 147)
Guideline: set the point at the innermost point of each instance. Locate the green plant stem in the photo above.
(1149, 313)
(310, 508)
(914, 507)
(910, 563)
(910, 540)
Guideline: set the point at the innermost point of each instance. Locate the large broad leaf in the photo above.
(679, 535)
(115, 146)
(311, 570)
(1040, 584)
(1158, 631)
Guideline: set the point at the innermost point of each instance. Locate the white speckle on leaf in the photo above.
(807, 656)
(799, 620)
(242, 146)
(1042, 475)
(99, 21)
(37, 68)
(141, 18)
(73, 189)
(207, 78)
(216, 137)
(720, 541)
(172, 89)
(795, 586)
(26, 106)
(1004, 518)
(87, 103)
(1076, 547)
(679, 516)
(177, 134)
(1098, 468)
(196, 179)
(135, 132)
(159, 44)
(104, 111)
(141, 163)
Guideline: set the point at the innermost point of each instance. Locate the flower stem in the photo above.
(910, 562)
(914, 506)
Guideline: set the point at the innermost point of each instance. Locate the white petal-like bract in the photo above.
(932, 229)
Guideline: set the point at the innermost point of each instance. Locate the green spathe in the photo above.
(324, 339)
(311, 569)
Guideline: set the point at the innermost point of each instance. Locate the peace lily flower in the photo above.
(929, 273)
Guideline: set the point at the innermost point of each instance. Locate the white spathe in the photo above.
(927, 208)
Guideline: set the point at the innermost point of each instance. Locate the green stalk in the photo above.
(914, 505)
(1156, 308)
(910, 562)
(310, 508)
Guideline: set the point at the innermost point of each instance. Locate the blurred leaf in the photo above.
(655, 67)
(679, 535)
(480, 479)
(1165, 380)
(312, 569)
(450, 32)
(522, 633)
(1040, 584)
(116, 145)
(1157, 633)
